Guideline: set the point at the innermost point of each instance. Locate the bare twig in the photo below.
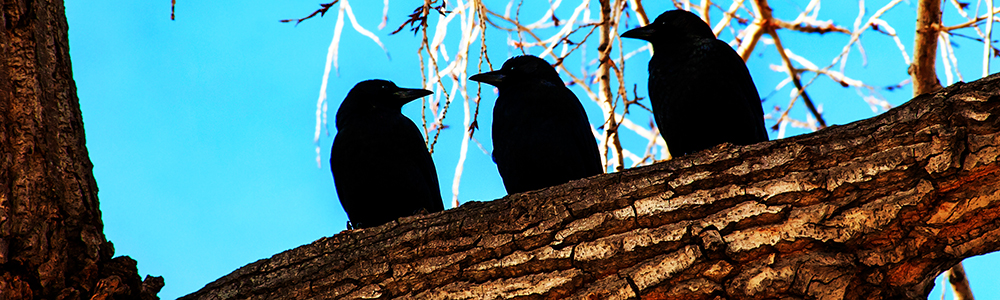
(884, 27)
(822, 27)
(558, 34)
(727, 16)
(973, 22)
(764, 12)
(753, 32)
(321, 12)
(636, 6)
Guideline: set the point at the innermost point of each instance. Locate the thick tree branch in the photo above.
(869, 210)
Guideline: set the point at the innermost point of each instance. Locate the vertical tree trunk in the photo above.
(52, 244)
(922, 71)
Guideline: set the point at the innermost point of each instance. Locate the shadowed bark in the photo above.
(869, 210)
(52, 244)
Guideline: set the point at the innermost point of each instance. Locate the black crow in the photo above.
(380, 165)
(541, 136)
(701, 91)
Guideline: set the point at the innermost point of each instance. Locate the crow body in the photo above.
(380, 165)
(700, 89)
(541, 136)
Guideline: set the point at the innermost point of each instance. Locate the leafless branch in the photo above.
(321, 12)
(928, 25)
(566, 29)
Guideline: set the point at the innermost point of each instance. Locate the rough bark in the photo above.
(869, 210)
(924, 77)
(52, 244)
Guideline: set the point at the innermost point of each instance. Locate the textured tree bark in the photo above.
(52, 244)
(924, 77)
(869, 210)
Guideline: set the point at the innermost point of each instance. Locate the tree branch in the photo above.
(869, 210)
(960, 283)
(925, 47)
(611, 138)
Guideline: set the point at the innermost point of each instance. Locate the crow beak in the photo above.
(406, 95)
(642, 33)
(492, 78)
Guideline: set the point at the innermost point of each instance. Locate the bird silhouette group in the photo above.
(700, 89)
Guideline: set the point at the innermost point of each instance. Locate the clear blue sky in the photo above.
(200, 129)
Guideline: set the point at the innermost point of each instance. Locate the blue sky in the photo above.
(201, 129)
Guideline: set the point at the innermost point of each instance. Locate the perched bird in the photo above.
(380, 165)
(541, 136)
(701, 91)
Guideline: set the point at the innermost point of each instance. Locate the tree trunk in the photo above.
(52, 244)
(869, 210)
